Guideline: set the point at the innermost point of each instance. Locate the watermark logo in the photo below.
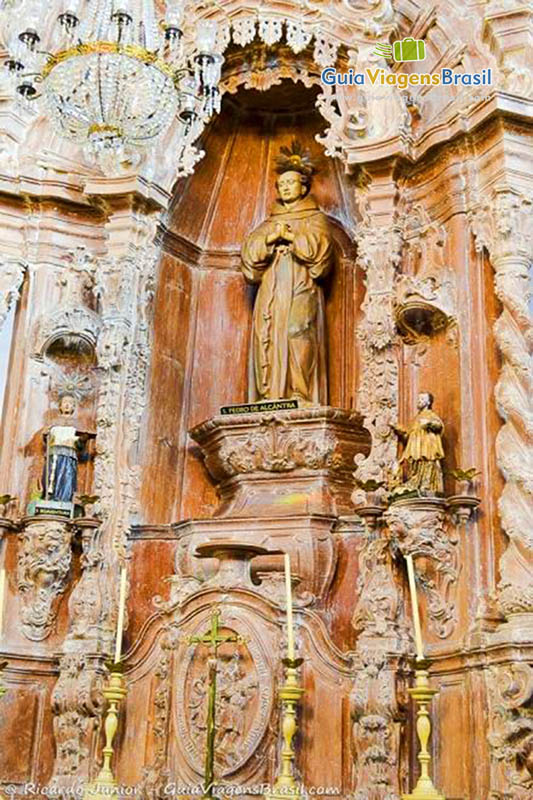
(403, 50)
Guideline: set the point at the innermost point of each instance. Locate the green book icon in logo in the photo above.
(409, 50)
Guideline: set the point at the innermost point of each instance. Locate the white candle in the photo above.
(2, 593)
(206, 36)
(121, 610)
(288, 590)
(414, 604)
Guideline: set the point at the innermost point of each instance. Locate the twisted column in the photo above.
(503, 225)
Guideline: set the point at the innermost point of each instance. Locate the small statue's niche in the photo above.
(425, 303)
(62, 477)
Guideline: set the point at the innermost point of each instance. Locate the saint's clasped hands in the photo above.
(281, 236)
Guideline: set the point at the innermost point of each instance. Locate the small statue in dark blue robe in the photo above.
(64, 446)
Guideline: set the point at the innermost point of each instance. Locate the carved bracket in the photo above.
(421, 528)
(44, 561)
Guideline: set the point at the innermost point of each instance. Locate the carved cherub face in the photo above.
(291, 186)
(67, 405)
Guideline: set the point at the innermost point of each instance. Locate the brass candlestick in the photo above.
(290, 695)
(422, 693)
(106, 783)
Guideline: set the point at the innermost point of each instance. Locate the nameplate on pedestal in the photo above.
(57, 508)
(264, 405)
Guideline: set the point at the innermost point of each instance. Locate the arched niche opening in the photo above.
(203, 306)
(70, 351)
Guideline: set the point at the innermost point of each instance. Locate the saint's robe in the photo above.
(288, 348)
(424, 452)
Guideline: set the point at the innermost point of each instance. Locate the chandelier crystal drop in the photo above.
(114, 74)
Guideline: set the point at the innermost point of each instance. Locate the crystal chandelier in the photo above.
(114, 74)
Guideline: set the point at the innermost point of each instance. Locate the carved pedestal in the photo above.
(283, 463)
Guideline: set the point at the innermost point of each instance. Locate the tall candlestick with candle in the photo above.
(288, 593)
(121, 613)
(422, 694)
(414, 606)
(290, 695)
(106, 783)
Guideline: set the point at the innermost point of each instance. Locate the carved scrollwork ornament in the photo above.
(421, 528)
(379, 253)
(510, 737)
(157, 774)
(86, 604)
(44, 561)
(77, 703)
(377, 699)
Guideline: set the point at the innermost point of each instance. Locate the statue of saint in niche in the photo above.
(287, 255)
(423, 453)
(64, 446)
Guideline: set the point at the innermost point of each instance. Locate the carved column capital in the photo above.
(501, 223)
(379, 247)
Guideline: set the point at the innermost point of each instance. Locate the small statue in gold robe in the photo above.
(286, 255)
(421, 460)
